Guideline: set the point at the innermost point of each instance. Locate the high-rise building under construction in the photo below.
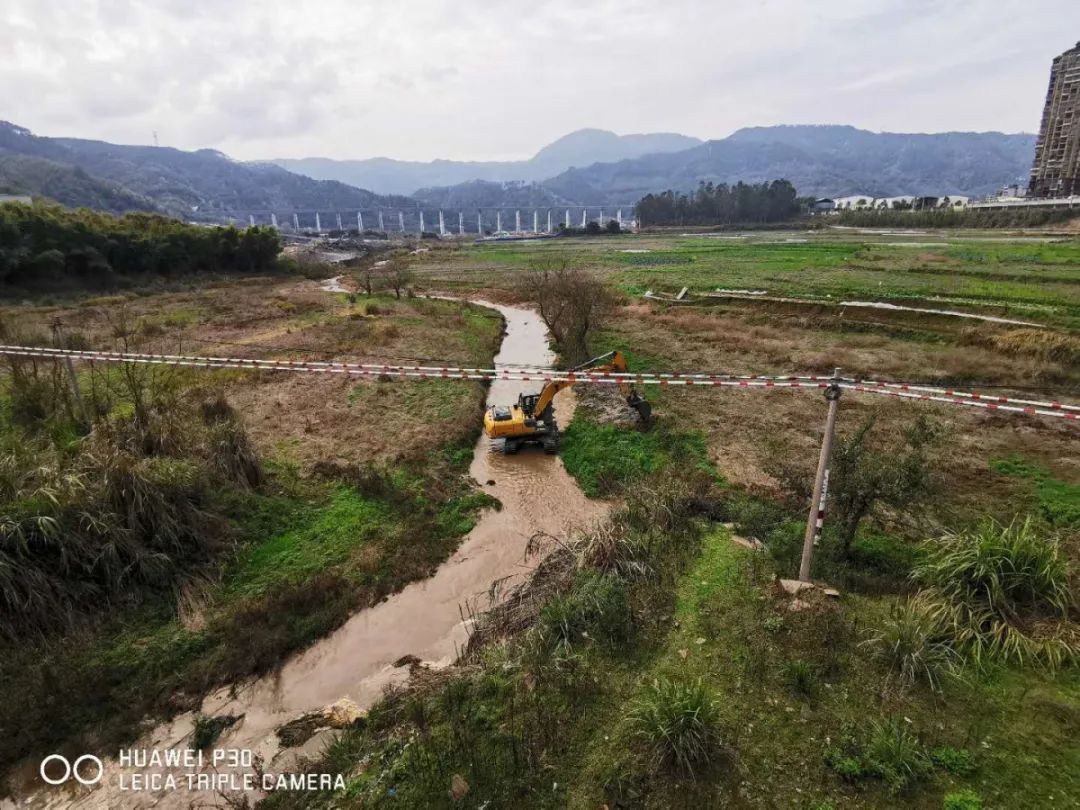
(1056, 171)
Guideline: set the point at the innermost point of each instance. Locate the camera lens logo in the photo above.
(87, 769)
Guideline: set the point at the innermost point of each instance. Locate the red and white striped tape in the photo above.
(368, 370)
(967, 395)
(676, 378)
(419, 372)
(987, 404)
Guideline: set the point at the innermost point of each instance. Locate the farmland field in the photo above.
(667, 613)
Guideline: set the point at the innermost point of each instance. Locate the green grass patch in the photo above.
(605, 458)
(1058, 501)
(324, 537)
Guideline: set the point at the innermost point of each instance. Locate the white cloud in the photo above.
(426, 78)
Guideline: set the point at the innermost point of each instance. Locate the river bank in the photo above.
(423, 622)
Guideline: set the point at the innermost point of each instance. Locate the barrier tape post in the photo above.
(817, 501)
(73, 379)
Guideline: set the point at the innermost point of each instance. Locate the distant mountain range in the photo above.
(589, 166)
(191, 185)
(819, 161)
(581, 148)
(593, 166)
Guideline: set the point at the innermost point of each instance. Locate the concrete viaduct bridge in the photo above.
(515, 219)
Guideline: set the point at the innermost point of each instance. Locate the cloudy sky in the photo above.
(472, 79)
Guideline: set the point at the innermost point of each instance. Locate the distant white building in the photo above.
(854, 201)
(902, 201)
(953, 201)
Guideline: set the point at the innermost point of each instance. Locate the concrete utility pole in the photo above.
(359, 223)
(461, 223)
(382, 227)
(273, 221)
(296, 223)
(816, 517)
(549, 221)
(479, 222)
(421, 223)
(73, 379)
(318, 223)
(536, 221)
(251, 220)
(401, 220)
(568, 219)
(339, 223)
(442, 224)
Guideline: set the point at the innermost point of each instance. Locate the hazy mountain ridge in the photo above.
(186, 184)
(68, 184)
(484, 193)
(583, 147)
(819, 161)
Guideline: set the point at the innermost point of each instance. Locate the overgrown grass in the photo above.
(679, 724)
(913, 645)
(889, 751)
(1003, 591)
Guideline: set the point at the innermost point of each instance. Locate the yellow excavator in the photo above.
(532, 419)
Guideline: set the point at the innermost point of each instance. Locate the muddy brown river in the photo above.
(357, 661)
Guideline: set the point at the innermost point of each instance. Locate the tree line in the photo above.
(48, 247)
(721, 204)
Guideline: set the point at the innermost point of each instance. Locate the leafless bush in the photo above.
(399, 275)
(572, 304)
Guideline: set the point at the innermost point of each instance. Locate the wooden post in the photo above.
(817, 505)
(73, 379)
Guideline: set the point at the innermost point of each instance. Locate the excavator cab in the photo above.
(532, 419)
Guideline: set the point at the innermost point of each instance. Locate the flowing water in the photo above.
(357, 661)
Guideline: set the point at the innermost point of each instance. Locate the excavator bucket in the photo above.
(642, 406)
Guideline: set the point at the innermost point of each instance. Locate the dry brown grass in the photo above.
(746, 429)
(305, 418)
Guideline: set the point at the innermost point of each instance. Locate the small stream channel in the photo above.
(356, 662)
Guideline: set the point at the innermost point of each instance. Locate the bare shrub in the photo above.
(572, 304)
(399, 275)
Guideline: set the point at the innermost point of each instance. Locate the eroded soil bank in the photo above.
(357, 662)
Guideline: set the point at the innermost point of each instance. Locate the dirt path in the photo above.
(356, 662)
